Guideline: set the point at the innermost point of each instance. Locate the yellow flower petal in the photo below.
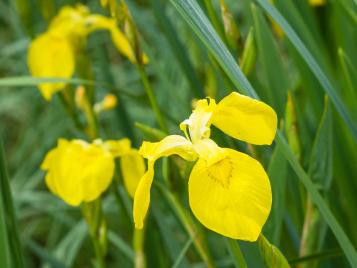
(173, 144)
(51, 56)
(208, 150)
(198, 123)
(122, 43)
(245, 119)
(133, 168)
(78, 171)
(142, 197)
(118, 147)
(231, 197)
(317, 2)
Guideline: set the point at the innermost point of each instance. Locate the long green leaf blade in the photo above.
(9, 214)
(312, 63)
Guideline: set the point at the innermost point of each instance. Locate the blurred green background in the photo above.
(181, 68)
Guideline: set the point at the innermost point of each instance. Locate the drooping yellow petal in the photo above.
(52, 57)
(199, 122)
(245, 119)
(170, 145)
(78, 171)
(231, 197)
(142, 197)
(133, 168)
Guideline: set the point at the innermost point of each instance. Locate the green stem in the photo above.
(150, 93)
(71, 111)
(189, 225)
(98, 252)
(236, 253)
(93, 215)
(138, 245)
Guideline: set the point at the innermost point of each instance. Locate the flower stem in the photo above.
(92, 213)
(236, 253)
(189, 224)
(150, 93)
(138, 245)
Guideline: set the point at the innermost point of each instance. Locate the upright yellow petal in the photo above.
(199, 122)
(231, 197)
(246, 119)
(170, 145)
(133, 168)
(78, 171)
(52, 57)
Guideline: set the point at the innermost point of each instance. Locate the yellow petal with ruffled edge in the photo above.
(231, 197)
(133, 168)
(78, 171)
(170, 145)
(245, 119)
(50, 57)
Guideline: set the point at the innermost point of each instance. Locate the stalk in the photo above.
(152, 99)
(189, 225)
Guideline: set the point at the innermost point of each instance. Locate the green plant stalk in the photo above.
(64, 97)
(236, 253)
(139, 235)
(138, 245)
(310, 234)
(152, 99)
(93, 215)
(189, 225)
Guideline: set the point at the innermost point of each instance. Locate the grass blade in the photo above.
(8, 215)
(4, 240)
(268, 56)
(183, 252)
(312, 63)
(194, 16)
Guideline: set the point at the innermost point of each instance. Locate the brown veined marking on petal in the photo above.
(221, 172)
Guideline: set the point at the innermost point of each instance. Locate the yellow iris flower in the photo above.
(52, 54)
(229, 191)
(78, 171)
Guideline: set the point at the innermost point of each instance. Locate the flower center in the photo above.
(221, 172)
